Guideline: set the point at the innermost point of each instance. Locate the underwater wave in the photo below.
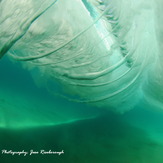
(100, 52)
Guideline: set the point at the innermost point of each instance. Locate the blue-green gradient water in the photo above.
(33, 119)
(81, 77)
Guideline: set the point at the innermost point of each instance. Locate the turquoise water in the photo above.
(81, 83)
(27, 105)
(33, 119)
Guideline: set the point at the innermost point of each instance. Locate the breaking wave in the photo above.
(99, 52)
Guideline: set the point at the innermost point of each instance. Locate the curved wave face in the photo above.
(99, 52)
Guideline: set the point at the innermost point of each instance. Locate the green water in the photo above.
(105, 139)
(32, 119)
(83, 79)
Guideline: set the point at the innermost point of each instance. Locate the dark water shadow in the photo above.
(106, 139)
